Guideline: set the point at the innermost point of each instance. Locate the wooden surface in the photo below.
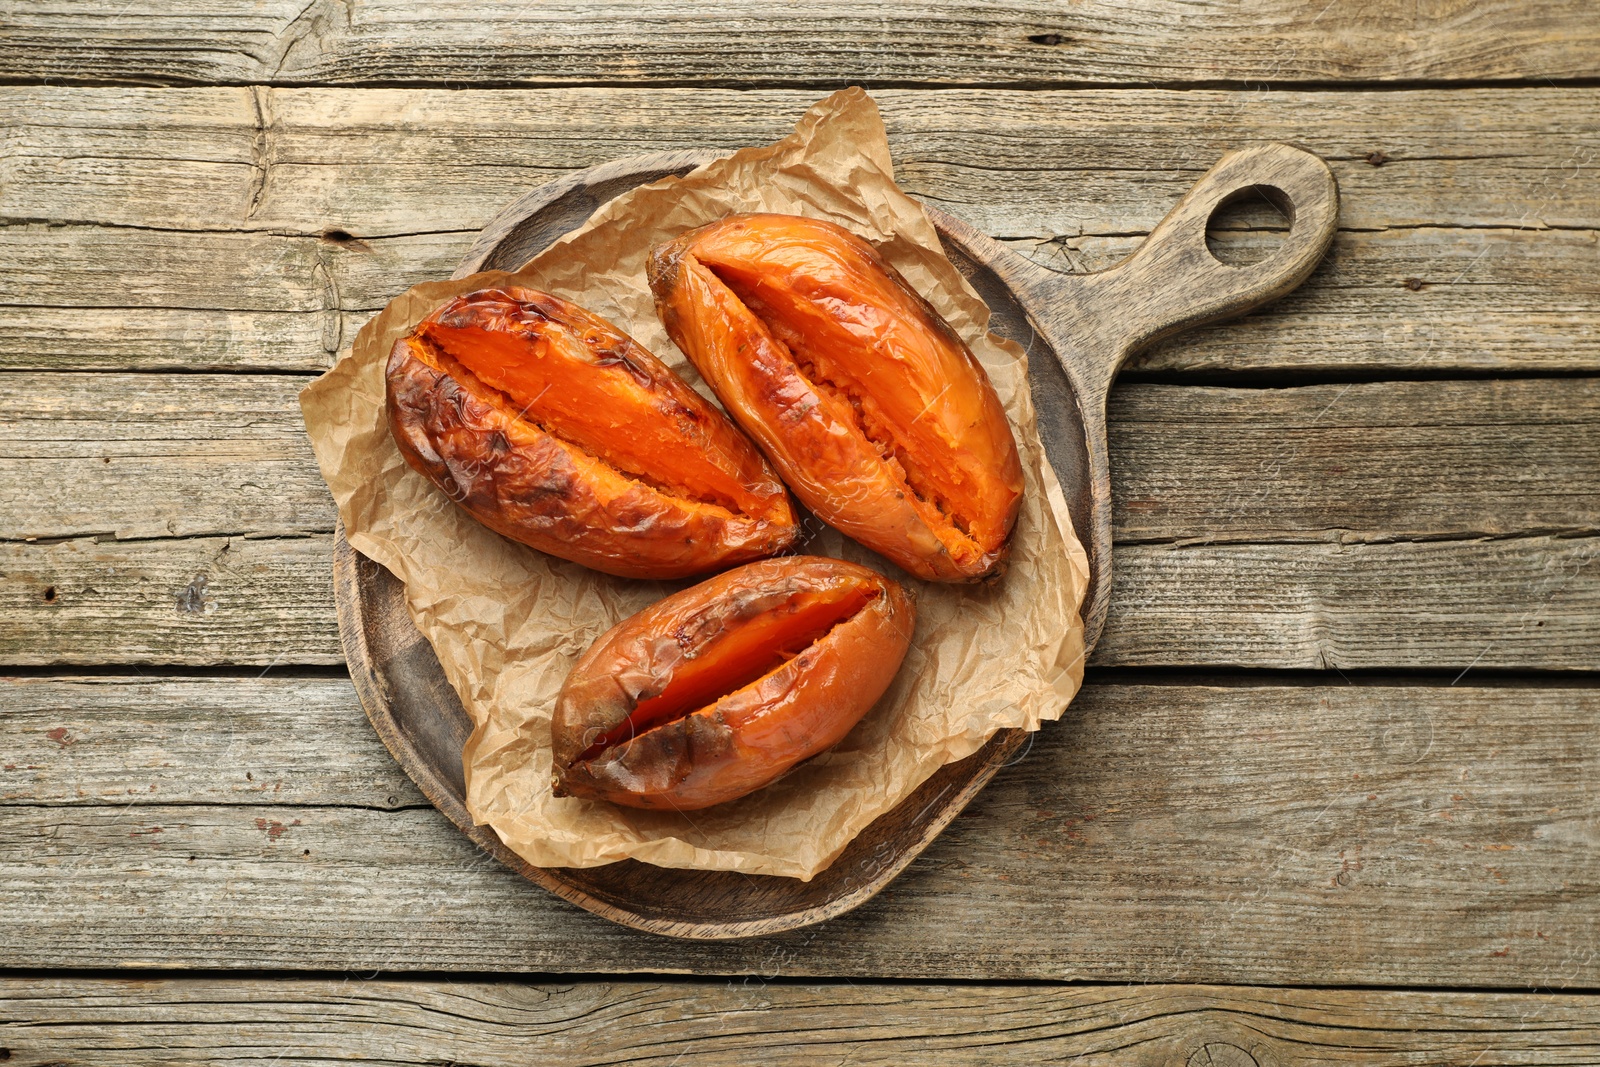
(1012, 42)
(345, 1021)
(323, 203)
(1340, 730)
(1386, 833)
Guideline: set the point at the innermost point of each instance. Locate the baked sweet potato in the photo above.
(871, 407)
(554, 428)
(722, 688)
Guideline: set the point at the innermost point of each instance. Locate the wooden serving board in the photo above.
(1077, 329)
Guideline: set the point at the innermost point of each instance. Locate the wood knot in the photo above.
(1221, 1054)
(1051, 39)
(1378, 158)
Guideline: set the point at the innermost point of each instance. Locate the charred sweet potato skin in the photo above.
(741, 740)
(555, 429)
(872, 409)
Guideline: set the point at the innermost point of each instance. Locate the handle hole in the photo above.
(1249, 225)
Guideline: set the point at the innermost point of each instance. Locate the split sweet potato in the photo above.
(870, 406)
(722, 688)
(555, 429)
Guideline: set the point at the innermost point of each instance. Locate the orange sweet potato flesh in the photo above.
(554, 428)
(724, 687)
(872, 409)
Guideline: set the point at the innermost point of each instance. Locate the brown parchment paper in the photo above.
(508, 622)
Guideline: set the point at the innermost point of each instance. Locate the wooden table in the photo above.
(1331, 784)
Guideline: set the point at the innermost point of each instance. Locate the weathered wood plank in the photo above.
(129, 740)
(1138, 42)
(150, 455)
(1520, 603)
(138, 456)
(1034, 164)
(262, 174)
(1525, 603)
(196, 469)
(360, 1021)
(1487, 300)
(95, 267)
(1348, 835)
(171, 339)
(1365, 461)
(195, 601)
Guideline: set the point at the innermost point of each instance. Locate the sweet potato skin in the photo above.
(603, 456)
(872, 409)
(744, 739)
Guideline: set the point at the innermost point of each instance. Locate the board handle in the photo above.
(1173, 282)
(1094, 322)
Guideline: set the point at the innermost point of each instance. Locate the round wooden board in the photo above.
(1073, 354)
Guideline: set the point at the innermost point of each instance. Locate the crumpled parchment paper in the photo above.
(508, 622)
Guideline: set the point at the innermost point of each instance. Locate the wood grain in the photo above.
(1523, 603)
(1527, 602)
(1359, 835)
(129, 740)
(1013, 42)
(149, 456)
(1490, 301)
(359, 1021)
(381, 163)
(1363, 461)
(1423, 835)
(1418, 524)
(282, 218)
(195, 600)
